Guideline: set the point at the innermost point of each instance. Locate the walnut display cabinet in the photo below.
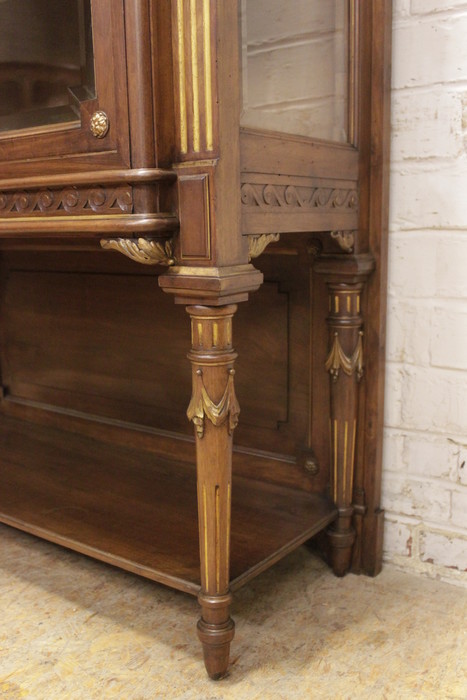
(190, 176)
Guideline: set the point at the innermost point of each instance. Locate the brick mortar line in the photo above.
(413, 19)
(432, 526)
(457, 436)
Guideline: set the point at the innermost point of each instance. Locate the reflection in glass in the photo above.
(46, 63)
(295, 66)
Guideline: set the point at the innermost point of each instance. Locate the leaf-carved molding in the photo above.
(142, 250)
(257, 244)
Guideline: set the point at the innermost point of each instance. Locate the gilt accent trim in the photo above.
(201, 405)
(257, 244)
(194, 75)
(337, 359)
(146, 252)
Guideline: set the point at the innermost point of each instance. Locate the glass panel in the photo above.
(295, 59)
(46, 61)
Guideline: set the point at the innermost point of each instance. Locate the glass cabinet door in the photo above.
(63, 86)
(295, 67)
(46, 61)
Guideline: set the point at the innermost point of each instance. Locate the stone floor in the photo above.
(75, 629)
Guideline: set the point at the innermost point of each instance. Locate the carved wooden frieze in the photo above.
(70, 200)
(272, 196)
(297, 204)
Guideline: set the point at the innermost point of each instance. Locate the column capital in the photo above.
(345, 269)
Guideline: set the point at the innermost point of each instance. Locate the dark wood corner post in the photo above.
(214, 411)
(345, 277)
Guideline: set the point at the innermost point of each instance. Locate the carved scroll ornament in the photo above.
(142, 250)
(202, 407)
(338, 360)
(70, 200)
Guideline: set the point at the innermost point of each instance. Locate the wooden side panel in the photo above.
(195, 217)
(263, 152)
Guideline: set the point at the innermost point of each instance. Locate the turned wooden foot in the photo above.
(341, 537)
(216, 630)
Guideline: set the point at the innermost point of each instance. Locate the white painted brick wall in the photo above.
(425, 449)
(282, 43)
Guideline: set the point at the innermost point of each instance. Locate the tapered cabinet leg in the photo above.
(345, 367)
(214, 411)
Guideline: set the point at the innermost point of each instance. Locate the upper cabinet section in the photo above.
(46, 62)
(86, 119)
(60, 64)
(295, 67)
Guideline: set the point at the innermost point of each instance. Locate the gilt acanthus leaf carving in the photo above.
(147, 252)
(258, 243)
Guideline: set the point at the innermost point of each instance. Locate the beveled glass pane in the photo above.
(46, 61)
(295, 63)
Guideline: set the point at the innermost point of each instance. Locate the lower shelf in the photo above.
(136, 510)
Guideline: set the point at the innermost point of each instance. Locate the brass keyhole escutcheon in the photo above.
(99, 124)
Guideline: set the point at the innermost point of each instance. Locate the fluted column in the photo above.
(214, 412)
(345, 366)
(345, 276)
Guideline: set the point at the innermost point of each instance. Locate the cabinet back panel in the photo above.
(112, 344)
